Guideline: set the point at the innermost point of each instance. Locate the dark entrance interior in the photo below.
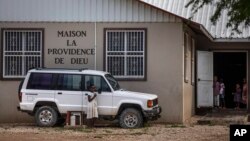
(232, 67)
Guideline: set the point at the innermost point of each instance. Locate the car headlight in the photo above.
(150, 103)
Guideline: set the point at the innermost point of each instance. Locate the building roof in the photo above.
(218, 31)
(118, 11)
(88, 11)
(81, 11)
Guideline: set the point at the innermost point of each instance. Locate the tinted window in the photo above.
(98, 81)
(70, 82)
(114, 84)
(41, 81)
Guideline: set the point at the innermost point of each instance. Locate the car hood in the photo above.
(136, 94)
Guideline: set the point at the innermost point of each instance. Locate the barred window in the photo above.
(22, 50)
(125, 53)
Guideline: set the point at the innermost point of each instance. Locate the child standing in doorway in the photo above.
(216, 87)
(222, 94)
(237, 96)
(244, 93)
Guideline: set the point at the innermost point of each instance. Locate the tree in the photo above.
(238, 11)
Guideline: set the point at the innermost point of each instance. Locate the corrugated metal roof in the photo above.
(202, 16)
(81, 11)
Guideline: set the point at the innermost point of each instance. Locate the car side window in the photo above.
(98, 81)
(41, 81)
(70, 82)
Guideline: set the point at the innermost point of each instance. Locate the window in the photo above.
(187, 58)
(22, 50)
(70, 82)
(125, 53)
(193, 60)
(41, 81)
(114, 84)
(98, 81)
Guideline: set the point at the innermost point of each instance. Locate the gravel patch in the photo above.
(153, 132)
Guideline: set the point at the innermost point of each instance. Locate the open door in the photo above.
(204, 79)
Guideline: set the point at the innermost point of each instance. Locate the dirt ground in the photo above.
(152, 132)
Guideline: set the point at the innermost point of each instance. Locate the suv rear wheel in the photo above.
(46, 116)
(131, 118)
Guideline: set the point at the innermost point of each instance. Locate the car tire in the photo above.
(131, 118)
(46, 116)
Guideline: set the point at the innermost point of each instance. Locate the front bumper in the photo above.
(153, 114)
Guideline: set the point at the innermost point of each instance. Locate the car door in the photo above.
(105, 98)
(69, 95)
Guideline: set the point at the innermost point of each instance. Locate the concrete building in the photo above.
(146, 47)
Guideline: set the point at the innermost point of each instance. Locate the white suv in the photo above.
(48, 94)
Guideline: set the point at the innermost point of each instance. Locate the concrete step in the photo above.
(224, 117)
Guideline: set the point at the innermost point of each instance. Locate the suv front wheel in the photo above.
(131, 118)
(46, 116)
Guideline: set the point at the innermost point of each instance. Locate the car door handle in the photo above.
(31, 94)
(59, 93)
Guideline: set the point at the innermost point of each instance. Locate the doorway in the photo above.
(232, 68)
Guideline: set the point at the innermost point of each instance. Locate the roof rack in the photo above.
(81, 69)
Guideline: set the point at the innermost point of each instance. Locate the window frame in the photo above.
(127, 78)
(15, 78)
(102, 77)
(57, 81)
(53, 83)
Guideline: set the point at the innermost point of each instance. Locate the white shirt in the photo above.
(222, 88)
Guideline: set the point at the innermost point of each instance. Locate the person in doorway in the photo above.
(244, 92)
(237, 96)
(216, 87)
(222, 94)
(92, 113)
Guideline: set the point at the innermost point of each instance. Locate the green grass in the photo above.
(98, 136)
(86, 130)
(175, 126)
(107, 131)
(147, 125)
(137, 133)
(76, 129)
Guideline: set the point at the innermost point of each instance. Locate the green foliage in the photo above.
(238, 11)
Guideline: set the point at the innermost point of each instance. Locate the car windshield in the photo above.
(114, 84)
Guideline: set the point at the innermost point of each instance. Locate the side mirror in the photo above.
(99, 91)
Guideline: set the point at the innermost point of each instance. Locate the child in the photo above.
(237, 96)
(244, 93)
(222, 94)
(92, 113)
(216, 87)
